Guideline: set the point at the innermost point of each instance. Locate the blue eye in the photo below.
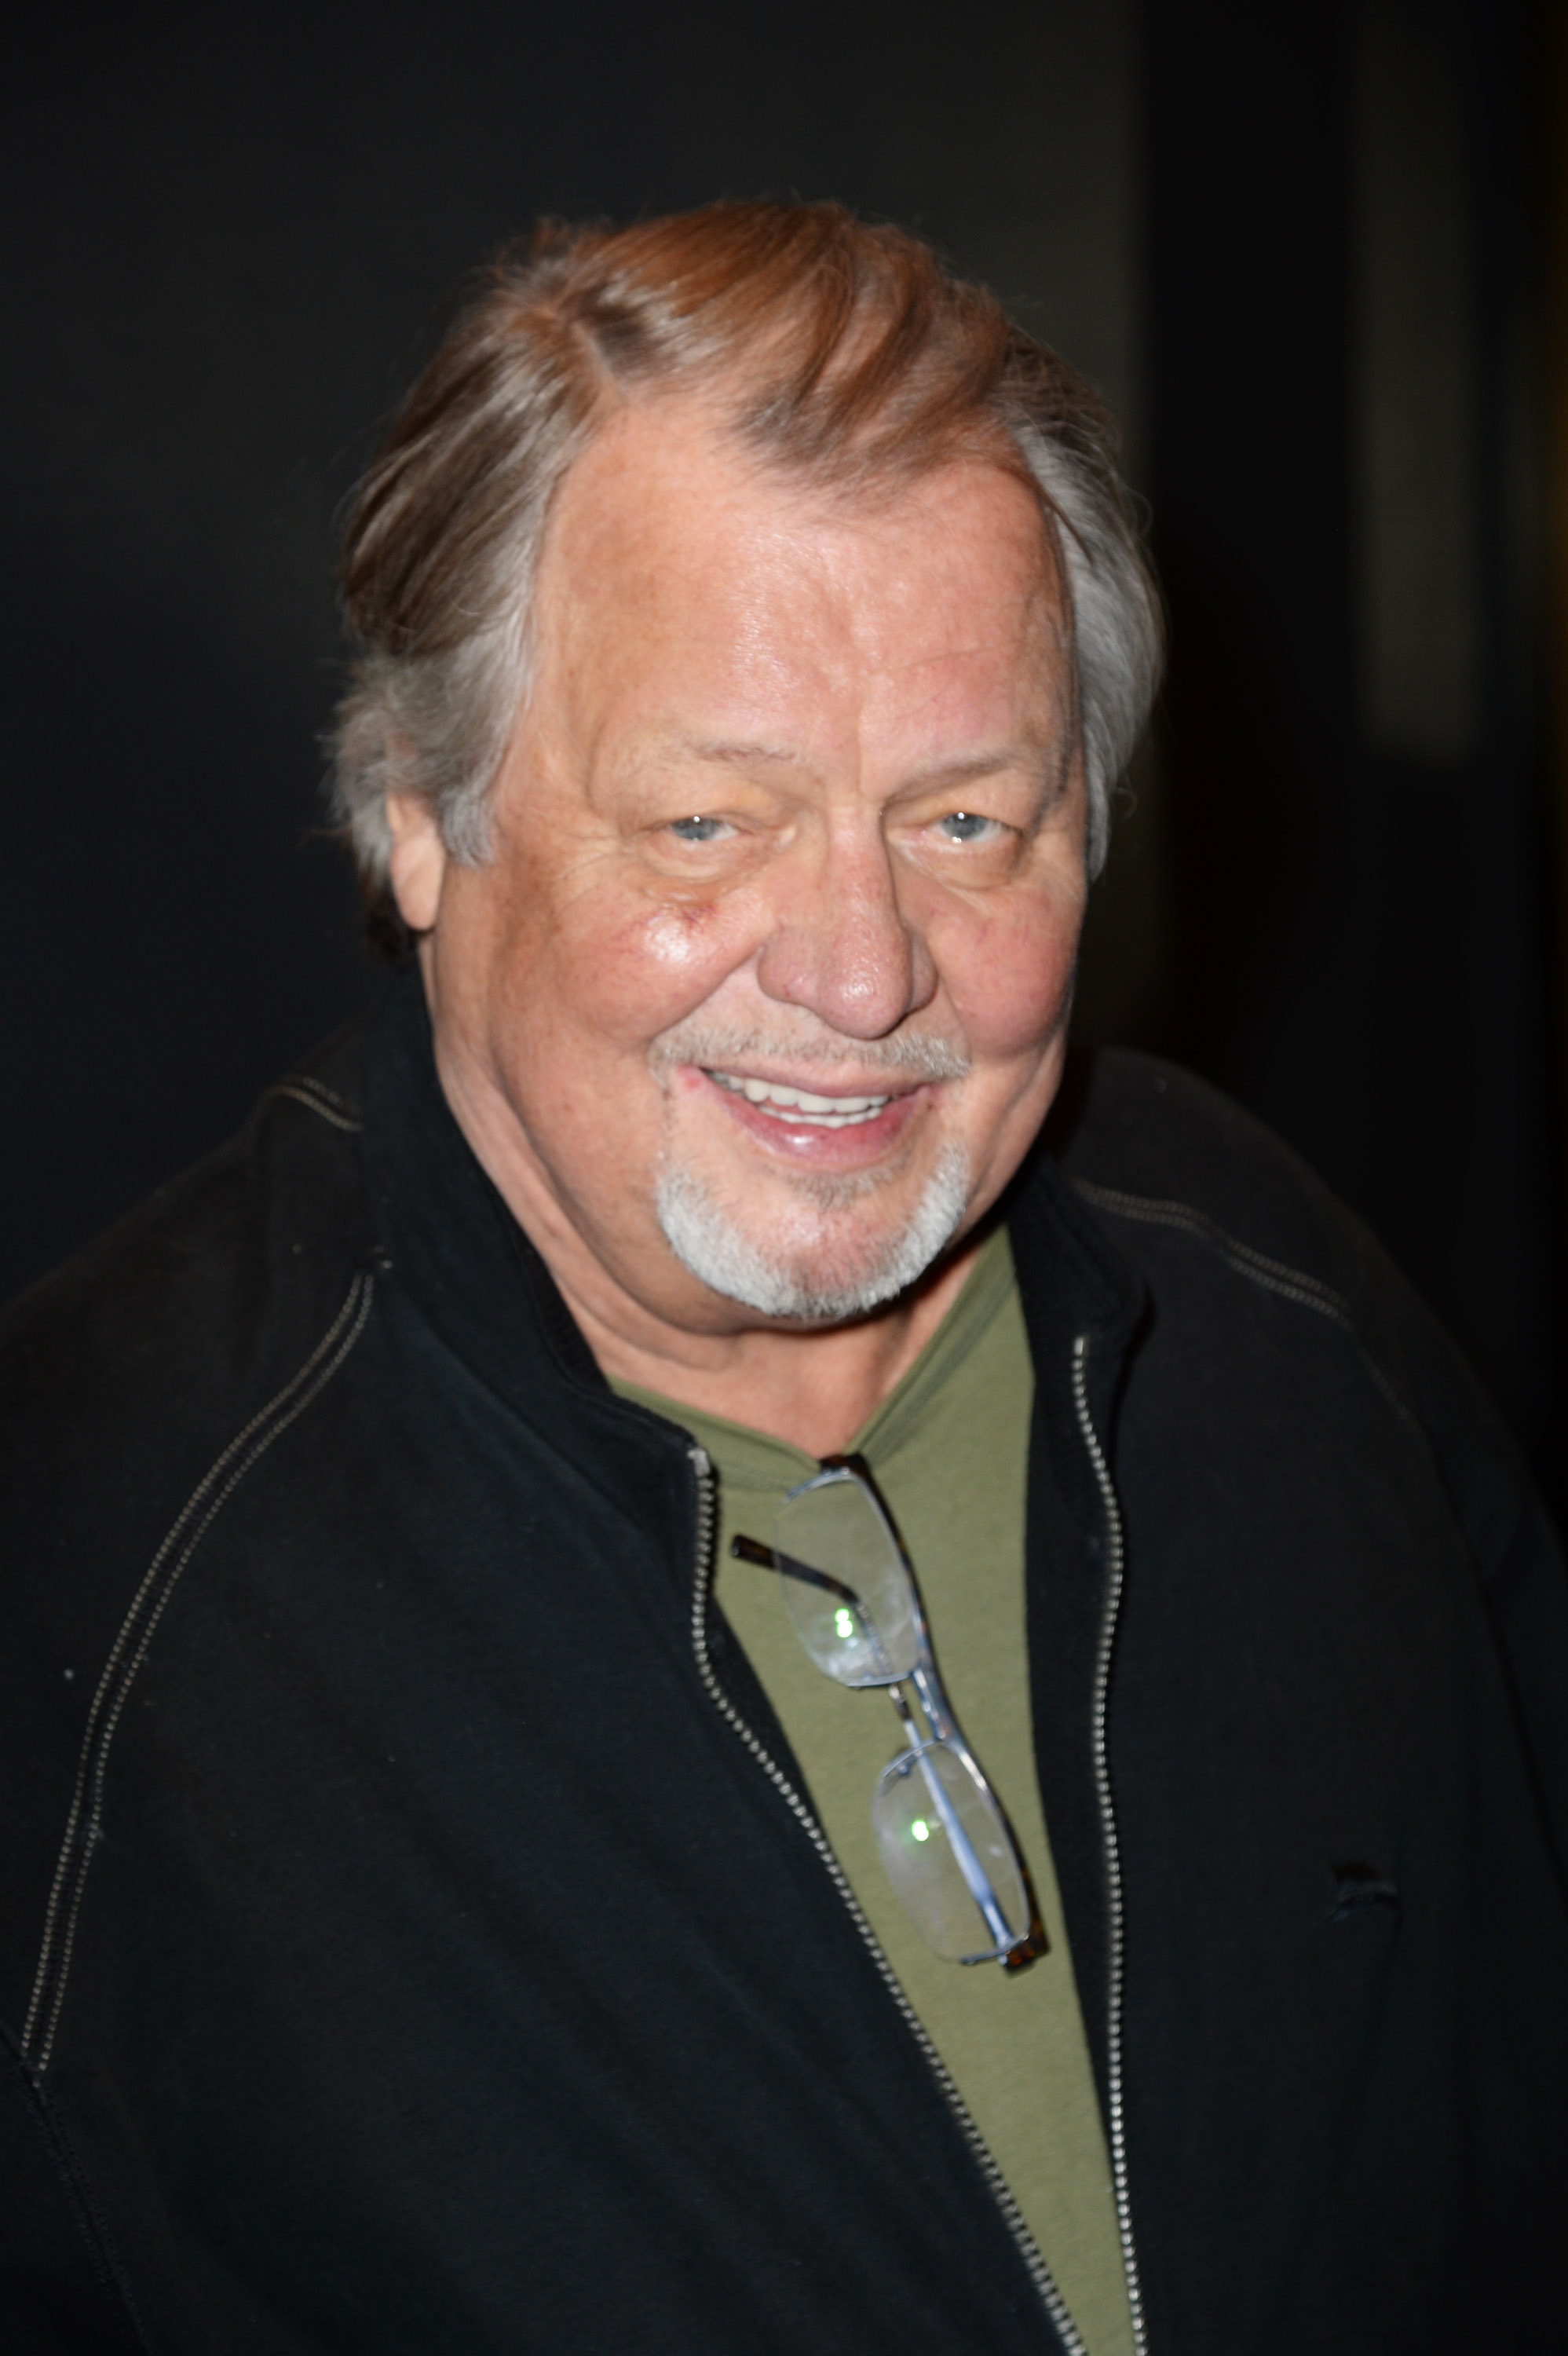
(698, 830)
(964, 825)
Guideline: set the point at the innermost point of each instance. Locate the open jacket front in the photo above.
(414, 1937)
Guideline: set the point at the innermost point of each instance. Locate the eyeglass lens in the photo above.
(857, 1618)
(948, 1855)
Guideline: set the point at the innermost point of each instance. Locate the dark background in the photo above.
(1305, 255)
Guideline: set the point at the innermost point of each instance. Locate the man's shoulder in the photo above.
(139, 1384)
(1213, 1210)
(1157, 1154)
(206, 1289)
(1218, 1215)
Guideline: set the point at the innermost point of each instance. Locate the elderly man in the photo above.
(465, 1886)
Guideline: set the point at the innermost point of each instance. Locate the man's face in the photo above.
(761, 993)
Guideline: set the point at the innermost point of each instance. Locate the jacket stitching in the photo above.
(317, 1086)
(1270, 1275)
(321, 1099)
(115, 1686)
(98, 2241)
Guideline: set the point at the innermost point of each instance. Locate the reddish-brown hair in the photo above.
(843, 353)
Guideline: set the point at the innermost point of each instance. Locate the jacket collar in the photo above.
(448, 1235)
(1080, 1297)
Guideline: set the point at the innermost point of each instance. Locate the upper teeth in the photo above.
(832, 1112)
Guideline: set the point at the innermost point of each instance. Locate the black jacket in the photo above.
(412, 1941)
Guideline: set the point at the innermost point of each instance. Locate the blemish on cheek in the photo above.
(678, 936)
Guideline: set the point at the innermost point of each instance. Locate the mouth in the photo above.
(801, 1107)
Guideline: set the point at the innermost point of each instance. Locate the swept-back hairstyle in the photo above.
(842, 354)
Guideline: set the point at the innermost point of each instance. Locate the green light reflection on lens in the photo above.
(920, 1830)
(844, 1623)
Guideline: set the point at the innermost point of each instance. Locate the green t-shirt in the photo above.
(949, 1448)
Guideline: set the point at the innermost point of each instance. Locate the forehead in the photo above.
(677, 564)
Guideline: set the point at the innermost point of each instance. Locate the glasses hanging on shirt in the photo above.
(945, 1842)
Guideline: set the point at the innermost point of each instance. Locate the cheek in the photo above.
(1008, 973)
(628, 969)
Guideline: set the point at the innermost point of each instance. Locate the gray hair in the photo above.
(842, 352)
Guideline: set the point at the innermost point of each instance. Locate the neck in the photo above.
(815, 1389)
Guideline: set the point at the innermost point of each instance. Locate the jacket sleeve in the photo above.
(58, 2295)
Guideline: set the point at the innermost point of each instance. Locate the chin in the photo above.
(814, 1268)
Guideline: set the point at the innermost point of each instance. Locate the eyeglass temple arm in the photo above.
(768, 1558)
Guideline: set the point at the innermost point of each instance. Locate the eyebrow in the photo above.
(1049, 762)
(722, 751)
(1046, 762)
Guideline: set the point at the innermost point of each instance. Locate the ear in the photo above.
(418, 864)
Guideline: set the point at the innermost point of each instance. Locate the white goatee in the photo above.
(798, 1277)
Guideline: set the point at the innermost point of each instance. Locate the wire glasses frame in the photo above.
(944, 1841)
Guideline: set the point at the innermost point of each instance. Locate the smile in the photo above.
(799, 1105)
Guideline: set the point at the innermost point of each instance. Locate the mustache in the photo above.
(916, 1057)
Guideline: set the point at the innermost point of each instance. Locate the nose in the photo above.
(841, 945)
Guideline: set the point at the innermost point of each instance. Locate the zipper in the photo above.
(1012, 2216)
(1116, 1555)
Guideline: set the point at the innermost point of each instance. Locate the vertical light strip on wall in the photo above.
(1413, 394)
(1554, 140)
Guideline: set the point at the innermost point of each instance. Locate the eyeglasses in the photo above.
(851, 1590)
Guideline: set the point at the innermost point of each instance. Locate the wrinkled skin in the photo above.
(797, 785)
